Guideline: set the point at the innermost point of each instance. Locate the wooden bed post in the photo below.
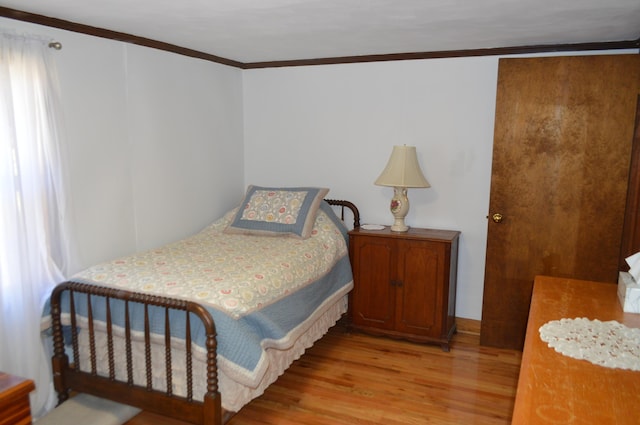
(59, 361)
(212, 407)
(211, 410)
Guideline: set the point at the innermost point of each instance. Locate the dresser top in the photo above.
(554, 388)
(412, 233)
(12, 387)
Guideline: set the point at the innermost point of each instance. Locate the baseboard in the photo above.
(468, 326)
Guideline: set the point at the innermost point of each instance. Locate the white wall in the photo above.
(153, 142)
(335, 126)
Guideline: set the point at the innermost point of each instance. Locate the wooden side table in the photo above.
(405, 283)
(14, 400)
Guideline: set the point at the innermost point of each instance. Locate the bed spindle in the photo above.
(187, 349)
(167, 351)
(74, 330)
(212, 370)
(92, 337)
(112, 369)
(147, 348)
(127, 336)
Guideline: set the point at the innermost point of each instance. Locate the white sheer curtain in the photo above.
(33, 246)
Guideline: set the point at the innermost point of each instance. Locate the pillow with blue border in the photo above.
(278, 211)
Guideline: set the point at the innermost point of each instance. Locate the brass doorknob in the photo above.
(497, 218)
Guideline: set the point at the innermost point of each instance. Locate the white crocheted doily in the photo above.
(609, 344)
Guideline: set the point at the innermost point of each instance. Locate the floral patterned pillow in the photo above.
(277, 211)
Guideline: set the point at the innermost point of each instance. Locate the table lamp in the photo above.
(402, 172)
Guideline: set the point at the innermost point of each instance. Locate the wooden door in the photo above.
(562, 143)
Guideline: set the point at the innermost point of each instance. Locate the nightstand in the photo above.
(14, 400)
(405, 283)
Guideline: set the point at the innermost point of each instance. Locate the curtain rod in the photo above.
(53, 44)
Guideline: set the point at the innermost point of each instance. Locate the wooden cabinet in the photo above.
(405, 283)
(14, 400)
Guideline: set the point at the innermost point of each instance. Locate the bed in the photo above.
(150, 331)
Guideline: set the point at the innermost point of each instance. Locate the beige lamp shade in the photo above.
(403, 169)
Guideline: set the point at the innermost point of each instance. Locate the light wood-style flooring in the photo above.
(352, 378)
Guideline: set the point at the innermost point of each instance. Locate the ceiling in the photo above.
(249, 31)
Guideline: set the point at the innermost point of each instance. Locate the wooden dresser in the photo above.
(14, 400)
(556, 389)
(405, 283)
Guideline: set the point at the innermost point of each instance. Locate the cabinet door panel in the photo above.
(373, 297)
(418, 304)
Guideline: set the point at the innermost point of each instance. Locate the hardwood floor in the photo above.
(352, 378)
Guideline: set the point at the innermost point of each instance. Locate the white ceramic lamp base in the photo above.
(399, 208)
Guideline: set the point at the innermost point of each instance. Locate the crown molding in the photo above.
(146, 42)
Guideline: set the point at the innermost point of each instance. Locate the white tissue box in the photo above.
(628, 293)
